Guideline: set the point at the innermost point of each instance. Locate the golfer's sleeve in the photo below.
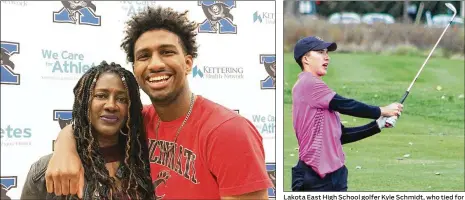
(236, 157)
(354, 108)
(354, 134)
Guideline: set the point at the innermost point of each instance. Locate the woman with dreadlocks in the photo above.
(110, 138)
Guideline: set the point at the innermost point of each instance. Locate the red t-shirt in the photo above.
(217, 153)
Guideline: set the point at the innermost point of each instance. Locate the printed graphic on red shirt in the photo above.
(173, 161)
(169, 158)
(206, 161)
(162, 177)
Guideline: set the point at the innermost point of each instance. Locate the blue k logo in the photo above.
(219, 19)
(8, 76)
(80, 12)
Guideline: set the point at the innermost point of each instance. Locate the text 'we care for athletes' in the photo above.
(375, 197)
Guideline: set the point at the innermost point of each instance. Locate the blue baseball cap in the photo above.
(312, 43)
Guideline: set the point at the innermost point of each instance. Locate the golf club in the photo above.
(390, 121)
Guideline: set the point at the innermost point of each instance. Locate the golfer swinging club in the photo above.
(317, 124)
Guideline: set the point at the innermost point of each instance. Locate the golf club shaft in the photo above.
(390, 120)
(430, 53)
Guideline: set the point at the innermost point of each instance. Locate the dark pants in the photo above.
(304, 178)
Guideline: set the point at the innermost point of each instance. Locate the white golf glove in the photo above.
(382, 122)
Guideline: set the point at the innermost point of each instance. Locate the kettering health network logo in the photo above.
(8, 76)
(77, 12)
(8, 183)
(269, 62)
(219, 19)
(224, 72)
(263, 17)
(64, 65)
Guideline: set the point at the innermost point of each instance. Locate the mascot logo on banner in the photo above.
(219, 19)
(269, 62)
(271, 169)
(8, 76)
(81, 12)
(64, 118)
(8, 182)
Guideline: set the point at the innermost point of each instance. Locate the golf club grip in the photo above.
(401, 101)
(404, 97)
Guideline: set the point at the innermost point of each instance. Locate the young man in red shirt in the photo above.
(198, 149)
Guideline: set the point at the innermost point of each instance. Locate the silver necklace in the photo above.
(183, 123)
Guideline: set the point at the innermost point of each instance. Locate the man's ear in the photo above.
(305, 58)
(189, 63)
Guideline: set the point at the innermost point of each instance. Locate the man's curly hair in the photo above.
(160, 18)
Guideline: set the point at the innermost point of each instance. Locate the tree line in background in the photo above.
(400, 10)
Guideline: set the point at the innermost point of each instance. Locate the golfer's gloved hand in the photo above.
(389, 122)
(382, 122)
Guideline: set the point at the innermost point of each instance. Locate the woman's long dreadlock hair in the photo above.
(136, 179)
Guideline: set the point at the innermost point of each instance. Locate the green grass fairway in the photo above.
(431, 128)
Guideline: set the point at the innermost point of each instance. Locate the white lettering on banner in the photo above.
(376, 196)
